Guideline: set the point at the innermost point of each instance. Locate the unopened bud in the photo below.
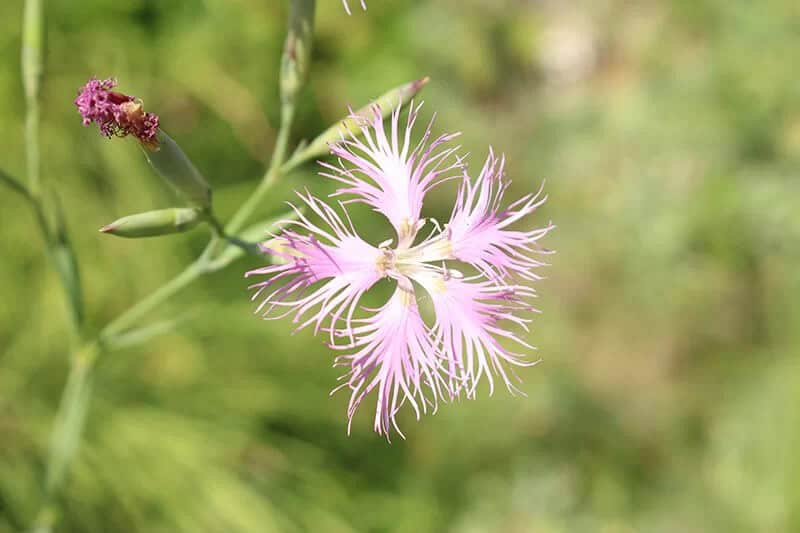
(297, 49)
(172, 164)
(388, 102)
(155, 223)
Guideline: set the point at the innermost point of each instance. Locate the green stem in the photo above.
(271, 176)
(141, 309)
(31, 66)
(71, 416)
(67, 431)
(32, 147)
(55, 237)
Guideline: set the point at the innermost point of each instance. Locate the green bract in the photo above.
(174, 166)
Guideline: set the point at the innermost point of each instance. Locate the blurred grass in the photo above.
(669, 395)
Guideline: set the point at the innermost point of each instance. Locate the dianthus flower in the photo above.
(322, 269)
(115, 113)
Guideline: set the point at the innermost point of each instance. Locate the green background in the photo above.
(668, 399)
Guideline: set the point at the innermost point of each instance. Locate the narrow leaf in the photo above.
(66, 263)
(13, 184)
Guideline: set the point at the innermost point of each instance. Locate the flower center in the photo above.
(439, 248)
(385, 262)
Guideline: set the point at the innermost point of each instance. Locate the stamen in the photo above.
(386, 261)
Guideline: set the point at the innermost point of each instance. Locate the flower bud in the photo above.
(399, 96)
(172, 164)
(155, 223)
(297, 49)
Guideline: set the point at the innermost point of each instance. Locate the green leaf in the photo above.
(13, 184)
(66, 264)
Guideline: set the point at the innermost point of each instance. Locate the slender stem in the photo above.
(31, 66)
(32, 147)
(220, 233)
(271, 176)
(68, 429)
(55, 237)
(71, 416)
(141, 309)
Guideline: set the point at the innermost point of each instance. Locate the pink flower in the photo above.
(115, 113)
(347, 7)
(323, 269)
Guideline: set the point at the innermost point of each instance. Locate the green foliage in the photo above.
(667, 400)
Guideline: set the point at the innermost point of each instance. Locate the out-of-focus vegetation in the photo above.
(668, 399)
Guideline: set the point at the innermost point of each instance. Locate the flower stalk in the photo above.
(32, 71)
(296, 59)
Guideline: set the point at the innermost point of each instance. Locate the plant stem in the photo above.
(31, 63)
(32, 148)
(71, 416)
(141, 309)
(271, 176)
(68, 429)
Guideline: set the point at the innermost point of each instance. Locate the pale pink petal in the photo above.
(471, 318)
(321, 270)
(394, 355)
(389, 173)
(479, 227)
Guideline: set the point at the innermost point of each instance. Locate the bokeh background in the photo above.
(668, 399)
